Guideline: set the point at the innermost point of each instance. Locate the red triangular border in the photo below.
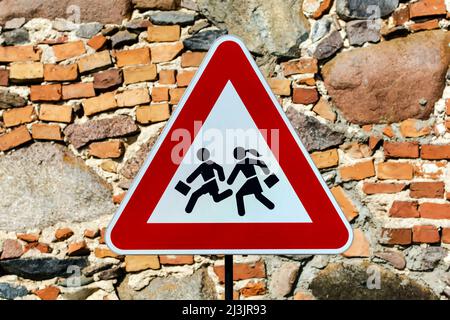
(129, 232)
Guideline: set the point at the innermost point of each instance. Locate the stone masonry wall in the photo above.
(86, 86)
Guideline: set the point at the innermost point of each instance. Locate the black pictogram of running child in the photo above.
(206, 169)
(252, 186)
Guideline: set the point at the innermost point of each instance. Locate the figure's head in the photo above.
(239, 153)
(203, 154)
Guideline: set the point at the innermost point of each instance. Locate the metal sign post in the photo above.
(228, 277)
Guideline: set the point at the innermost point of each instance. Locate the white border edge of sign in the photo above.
(162, 137)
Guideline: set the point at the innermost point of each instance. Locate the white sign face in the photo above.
(214, 200)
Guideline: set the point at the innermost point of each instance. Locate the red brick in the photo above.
(345, 203)
(78, 90)
(41, 247)
(176, 260)
(48, 293)
(56, 72)
(107, 149)
(404, 209)
(48, 92)
(133, 57)
(435, 152)
(104, 102)
(305, 95)
(55, 113)
(102, 253)
(281, 87)
(91, 233)
(431, 210)
(78, 249)
(140, 73)
(102, 236)
(425, 234)
(176, 94)
(97, 42)
(324, 109)
(4, 77)
(14, 138)
(395, 170)
(108, 79)
(427, 189)
(303, 65)
(413, 128)
(118, 198)
(357, 171)
(18, 116)
(166, 52)
(425, 8)
(360, 246)
(28, 237)
(253, 288)
(402, 236)
(163, 33)
(63, 234)
(325, 159)
(374, 142)
(192, 59)
(381, 187)
(242, 271)
(20, 53)
(23, 72)
(446, 235)
(153, 113)
(426, 25)
(167, 77)
(401, 149)
(185, 77)
(447, 107)
(41, 131)
(11, 249)
(387, 131)
(96, 61)
(133, 97)
(69, 50)
(401, 16)
(160, 94)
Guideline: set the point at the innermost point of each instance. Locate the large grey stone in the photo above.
(16, 36)
(10, 292)
(328, 45)
(202, 41)
(44, 184)
(424, 259)
(362, 31)
(88, 30)
(11, 100)
(266, 26)
(365, 9)
(320, 28)
(198, 286)
(123, 38)
(314, 135)
(172, 17)
(104, 11)
(366, 281)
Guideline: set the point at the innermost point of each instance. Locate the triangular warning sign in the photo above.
(228, 175)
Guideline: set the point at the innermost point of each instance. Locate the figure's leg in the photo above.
(217, 197)
(269, 204)
(193, 200)
(240, 203)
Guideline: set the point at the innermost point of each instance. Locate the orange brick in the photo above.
(160, 94)
(431, 210)
(118, 198)
(140, 73)
(14, 138)
(107, 149)
(133, 57)
(166, 52)
(357, 171)
(97, 42)
(56, 72)
(93, 62)
(153, 113)
(78, 90)
(91, 233)
(281, 87)
(55, 113)
(185, 77)
(176, 260)
(435, 152)
(304, 65)
(17, 116)
(4, 77)
(134, 97)
(447, 107)
(102, 253)
(395, 170)
(402, 236)
(21, 72)
(309, 81)
(387, 131)
(305, 95)
(48, 92)
(446, 235)
(104, 102)
(167, 76)
(401, 149)
(374, 188)
(404, 209)
(323, 109)
(163, 33)
(253, 288)
(360, 246)
(20, 53)
(192, 59)
(62, 234)
(77, 249)
(412, 128)
(69, 50)
(175, 95)
(48, 293)
(427, 189)
(28, 237)
(425, 234)
(425, 8)
(345, 203)
(242, 271)
(401, 16)
(325, 159)
(41, 131)
(426, 25)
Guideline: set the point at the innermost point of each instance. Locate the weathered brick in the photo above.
(97, 42)
(412, 128)
(167, 76)
(323, 109)
(62, 234)
(176, 260)
(94, 62)
(242, 271)
(429, 170)
(427, 189)
(107, 149)
(160, 94)
(325, 159)
(304, 65)
(20, 53)
(108, 79)
(401, 149)
(425, 234)
(166, 52)
(157, 4)
(357, 171)
(140, 73)
(41, 247)
(48, 92)
(381, 187)
(17, 116)
(55, 113)
(134, 97)
(345, 203)
(305, 95)
(281, 87)
(48, 293)
(11, 249)
(133, 57)
(426, 25)
(375, 141)
(118, 198)
(91, 233)
(78, 249)
(140, 263)
(57, 72)
(253, 288)
(401, 16)
(445, 235)
(404, 209)
(28, 237)
(435, 152)
(425, 8)
(395, 170)
(103, 102)
(14, 138)
(4, 77)
(431, 210)
(447, 107)
(78, 90)
(41, 131)
(192, 59)
(26, 72)
(163, 33)
(176, 94)
(69, 50)
(153, 113)
(360, 246)
(184, 77)
(402, 236)
(101, 253)
(388, 132)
